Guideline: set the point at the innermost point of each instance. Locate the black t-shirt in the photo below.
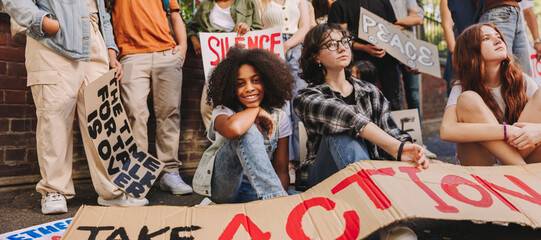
(350, 99)
(348, 11)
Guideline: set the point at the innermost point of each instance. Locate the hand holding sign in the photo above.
(411, 52)
(214, 46)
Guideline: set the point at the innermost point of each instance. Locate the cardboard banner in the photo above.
(350, 204)
(214, 46)
(131, 170)
(409, 51)
(47, 231)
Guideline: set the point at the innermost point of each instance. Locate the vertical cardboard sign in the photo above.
(408, 121)
(214, 46)
(535, 65)
(131, 170)
(409, 51)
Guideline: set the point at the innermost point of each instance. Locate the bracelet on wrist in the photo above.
(505, 131)
(537, 40)
(399, 155)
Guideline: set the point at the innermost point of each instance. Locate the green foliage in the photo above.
(188, 8)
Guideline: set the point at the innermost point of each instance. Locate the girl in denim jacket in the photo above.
(248, 159)
(69, 45)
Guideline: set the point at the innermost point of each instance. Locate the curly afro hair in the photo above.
(311, 72)
(274, 73)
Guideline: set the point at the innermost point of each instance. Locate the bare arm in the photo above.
(237, 124)
(452, 130)
(304, 26)
(529, 15)
(196, 45)
(413, 19)
(180, 34)
(447, 24)
(411, 152)
(280, 161)
(312, 16)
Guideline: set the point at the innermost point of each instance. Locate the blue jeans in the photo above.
(247, 193)
(334, 154)
(448, 73)
(292, 57)
(411, 88)
(508, 20)
(245, 154)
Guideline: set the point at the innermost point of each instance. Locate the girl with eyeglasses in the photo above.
(343, 114)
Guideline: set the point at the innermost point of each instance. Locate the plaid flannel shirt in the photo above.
(324, 112)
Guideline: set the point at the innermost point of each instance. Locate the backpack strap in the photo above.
(167, 7)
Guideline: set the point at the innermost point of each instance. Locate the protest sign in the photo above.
(408, 121)
(46, 231)
(535, 65)
(214, 46)
(409, 51)
(131, 170)
(350, 204)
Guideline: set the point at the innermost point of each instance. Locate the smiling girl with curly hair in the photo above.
(248, 159)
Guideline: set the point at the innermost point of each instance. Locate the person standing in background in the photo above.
(65, 53)
(408, 15)
(292, 16)
(505, 15)
(152, 58)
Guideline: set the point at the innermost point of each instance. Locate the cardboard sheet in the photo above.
(130, 169)
(351, 204)
(214, 46)
(411, 52)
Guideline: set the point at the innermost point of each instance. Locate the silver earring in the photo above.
(319, 65)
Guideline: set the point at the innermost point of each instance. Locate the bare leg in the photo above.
(474, 154)
(530, 114)
(472, 109)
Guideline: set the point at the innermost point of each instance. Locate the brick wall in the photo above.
(434, 97)
(17, 112)
(18, 158)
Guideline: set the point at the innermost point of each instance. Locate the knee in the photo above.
(252, 135)
(343, 143)
(471, 102)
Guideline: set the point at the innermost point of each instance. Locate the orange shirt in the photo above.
(141, 26)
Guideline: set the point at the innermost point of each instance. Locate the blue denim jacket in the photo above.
(203, 175)
(73, 38)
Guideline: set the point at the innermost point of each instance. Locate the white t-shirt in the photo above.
(284, 128)
(220, 18)
(531, 88)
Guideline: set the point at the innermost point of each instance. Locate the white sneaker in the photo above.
(54, 203)
(429, 154)
(173, 182)
(124, 200)
(397, 232)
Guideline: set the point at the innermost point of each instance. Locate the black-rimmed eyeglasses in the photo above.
(332, 44)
